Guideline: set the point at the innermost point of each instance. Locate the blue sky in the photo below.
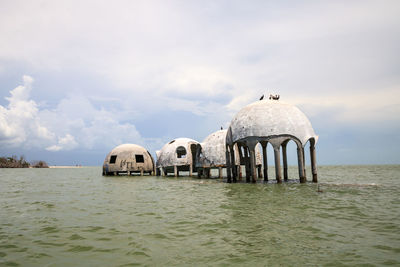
(78, 78)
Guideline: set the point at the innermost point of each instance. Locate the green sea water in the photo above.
(76, 217)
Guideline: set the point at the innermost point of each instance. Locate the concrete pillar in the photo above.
(220, 172)
(259, 172)
(239, 167)
(313, 163)
(301, 165)
(141, 172)
(304, 163)
(277, 155)
(247, 163)
(129, 173)
(115, 173)
(239, 171)
(265, 161)
(285, 165)
(176, 171)
(190, 170)
(253, 167)
(233, 167)
(228, 165)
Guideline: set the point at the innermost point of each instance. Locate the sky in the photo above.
(78, 78)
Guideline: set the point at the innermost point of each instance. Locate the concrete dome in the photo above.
(176, 152)
(213, 149)
(128, 158)
(268, 119)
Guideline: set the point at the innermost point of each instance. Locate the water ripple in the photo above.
(71, 217)
(80, 248)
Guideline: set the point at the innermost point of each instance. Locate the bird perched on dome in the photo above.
(274, 97)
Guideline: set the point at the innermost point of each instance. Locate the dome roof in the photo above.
(270, 118)
(128, 157)
(127, 148)
(167, 155)
(213, 148)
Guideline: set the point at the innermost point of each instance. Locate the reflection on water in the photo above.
(60, 217)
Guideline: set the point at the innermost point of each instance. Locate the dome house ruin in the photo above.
(177, 155)
(128, 159)
(275, 122)
(211, 153)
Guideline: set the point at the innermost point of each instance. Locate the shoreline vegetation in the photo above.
(14, 162)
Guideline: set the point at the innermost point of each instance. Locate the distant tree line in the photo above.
(14, 162)
(39, 164)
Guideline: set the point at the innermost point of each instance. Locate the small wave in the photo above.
(351, 185)
(130, 264)
(40, 242)
(157, 236)
(39, 255)
(103, 239)
(387, 248)
(8, 246)
(80, 248)
(93, 229)
(138, 253)
(391, 262)
(49, 229)
(76, 237)
(146, 214)
(10, 263)
(105, 250)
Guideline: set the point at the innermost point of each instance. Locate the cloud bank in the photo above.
(150, 71)
(74, 124)
(20, 123)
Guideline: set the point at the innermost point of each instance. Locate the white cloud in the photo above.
(19, 121)
(74, 123)
(91, 127)
(64, 143)
(208, 59)
(186, 49)
(209, 81)
(54, 148)
(171, 46)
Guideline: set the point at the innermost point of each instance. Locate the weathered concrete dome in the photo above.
(269, 119)
(177, 152)
(213, 150)
(128, 158)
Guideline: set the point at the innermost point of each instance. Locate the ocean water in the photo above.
(76, 217)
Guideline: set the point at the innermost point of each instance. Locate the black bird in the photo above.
(262, 97)
(222, 128)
